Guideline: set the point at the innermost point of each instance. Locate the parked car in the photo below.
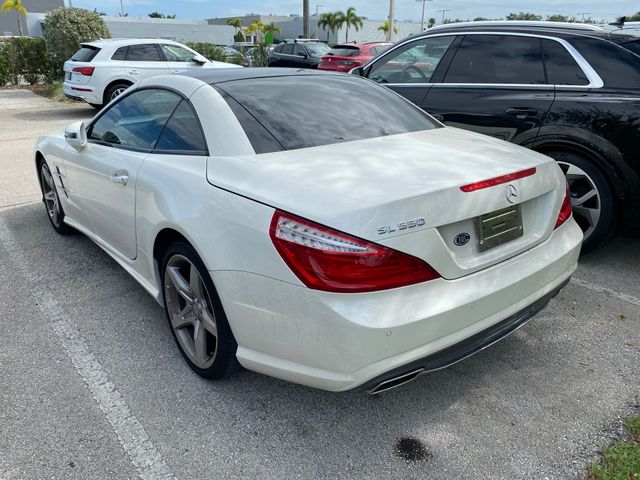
(343, 58)
(571, 92)
(315, 227)
(298, 55)
(103, 69)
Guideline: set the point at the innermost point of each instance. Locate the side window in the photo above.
(414, 62)
(182, 132)
(174, 53)
(143, 53)
(120, 54)
(287, 49)
(136, 120)
(501, 59)
(299, 49)
(562, 69)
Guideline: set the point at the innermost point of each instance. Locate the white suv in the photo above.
(102, 70)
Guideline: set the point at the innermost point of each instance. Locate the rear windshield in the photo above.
(85, 54)
(317, 50)
(309, 111)
(344, 51)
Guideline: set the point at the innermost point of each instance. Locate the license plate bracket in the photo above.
(499, 227)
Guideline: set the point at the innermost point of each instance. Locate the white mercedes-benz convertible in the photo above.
(311, 226)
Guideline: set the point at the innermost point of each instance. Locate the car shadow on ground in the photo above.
(79, 112)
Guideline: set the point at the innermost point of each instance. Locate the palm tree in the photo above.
(256, 27)
(328, 22)
(271, 28)
(235, 23)
(350, 19)
(385, 27)
(18, 7)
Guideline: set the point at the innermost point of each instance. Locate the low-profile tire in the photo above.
(195, 314)
(97, 106)
(51, 200)
(114, 91)
(592, 198)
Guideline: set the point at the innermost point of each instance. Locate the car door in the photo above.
(144, 61)
(178, 58)
(301, 57)
(409, 69)
(101, 177)
(284, 58)
(495, 84)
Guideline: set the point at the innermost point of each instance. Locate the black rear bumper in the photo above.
(455, 353)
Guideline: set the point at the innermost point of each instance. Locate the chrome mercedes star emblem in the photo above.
(511, 194)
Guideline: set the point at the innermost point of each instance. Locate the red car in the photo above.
(343, 58)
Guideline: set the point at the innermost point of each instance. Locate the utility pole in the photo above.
(318, 6)
(305, 18)
(121, 8)
(70, 4)
(583, 14)
(422, 17)
(443, 12)
(392, 22)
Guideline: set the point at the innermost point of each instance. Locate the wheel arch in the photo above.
(604, 163)
(111, 84)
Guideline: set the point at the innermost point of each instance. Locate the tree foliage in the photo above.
(64, 29)
(161, 15)
(24, 59)
(385, 27)
(349, 19)
(634, 18)
(328, 22)
(524, 16)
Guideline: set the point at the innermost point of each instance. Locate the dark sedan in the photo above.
(571, 92)
(298, 55)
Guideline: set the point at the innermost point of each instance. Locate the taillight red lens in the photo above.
(329, 260)
(472, 187)
(86, 71)
(565, 209)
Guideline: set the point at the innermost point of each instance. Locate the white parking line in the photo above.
(597, 288)
(135, 441)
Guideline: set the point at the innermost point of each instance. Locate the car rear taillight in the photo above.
(86, 71)
(329, 260)
(565, 209)
(472, 187)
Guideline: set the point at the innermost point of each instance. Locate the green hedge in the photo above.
(24, 59)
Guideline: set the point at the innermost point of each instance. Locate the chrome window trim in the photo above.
(594, 79)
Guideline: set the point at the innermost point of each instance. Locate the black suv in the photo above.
(298, 55)
(571, 92)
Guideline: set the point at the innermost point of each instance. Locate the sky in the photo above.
(373, 9)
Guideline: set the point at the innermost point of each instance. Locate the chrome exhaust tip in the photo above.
(395, 382)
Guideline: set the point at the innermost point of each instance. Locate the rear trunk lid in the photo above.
(404, 191)
(82, 58)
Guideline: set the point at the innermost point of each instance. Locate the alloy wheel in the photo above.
(585, 198)
(190, 312)
(117, 92)
(50, 195)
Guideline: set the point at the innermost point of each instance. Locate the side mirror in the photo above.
(199, 59)
(76, 135)
(359, 71)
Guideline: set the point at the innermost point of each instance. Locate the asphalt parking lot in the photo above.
(92, 386)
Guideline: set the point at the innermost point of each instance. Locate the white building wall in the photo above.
(178, 30)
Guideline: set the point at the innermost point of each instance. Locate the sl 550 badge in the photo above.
(418, 222)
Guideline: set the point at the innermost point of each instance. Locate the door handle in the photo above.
(120, 176)
(134, 72)
(520, 112)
